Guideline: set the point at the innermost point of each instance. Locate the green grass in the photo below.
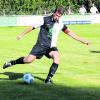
(78, 76)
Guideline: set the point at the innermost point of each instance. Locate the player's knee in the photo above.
(26, 60)
(29, 59)
(56, 61)
(56, 58)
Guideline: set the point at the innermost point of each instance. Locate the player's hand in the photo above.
(86, 42)
(19, 37)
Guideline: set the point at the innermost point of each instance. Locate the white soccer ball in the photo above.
(28, 78)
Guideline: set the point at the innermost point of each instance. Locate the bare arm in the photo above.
(21, 35)
(76, 37)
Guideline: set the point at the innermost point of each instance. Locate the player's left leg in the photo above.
(55, 56)
(36, 52)
(22, 60)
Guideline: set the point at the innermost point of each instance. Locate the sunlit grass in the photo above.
(77, 77)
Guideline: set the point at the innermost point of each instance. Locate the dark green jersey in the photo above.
(49, 32)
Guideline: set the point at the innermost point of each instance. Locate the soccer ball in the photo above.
(28, 78)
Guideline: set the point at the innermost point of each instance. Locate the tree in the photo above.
(22, 7)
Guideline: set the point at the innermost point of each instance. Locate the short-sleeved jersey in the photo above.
(49, 30)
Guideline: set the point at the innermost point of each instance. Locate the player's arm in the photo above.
(21, 35)
(36, 24)
(74, 36)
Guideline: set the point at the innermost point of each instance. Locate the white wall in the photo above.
(30, 20)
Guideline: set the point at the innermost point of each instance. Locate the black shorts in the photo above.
(39, 51)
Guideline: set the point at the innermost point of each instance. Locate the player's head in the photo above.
(58, 13)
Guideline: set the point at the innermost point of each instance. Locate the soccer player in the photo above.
(46, 42)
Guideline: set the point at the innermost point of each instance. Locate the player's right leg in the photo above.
(55, 56)
(22, 60)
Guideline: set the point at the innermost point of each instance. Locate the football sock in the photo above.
(18, 61)
(52, 70)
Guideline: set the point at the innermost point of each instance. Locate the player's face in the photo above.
(56, 16)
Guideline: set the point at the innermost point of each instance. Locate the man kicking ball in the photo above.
(50, 26)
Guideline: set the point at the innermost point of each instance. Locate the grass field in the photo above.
(78, 76)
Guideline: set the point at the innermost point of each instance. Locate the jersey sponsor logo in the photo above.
(51, 31)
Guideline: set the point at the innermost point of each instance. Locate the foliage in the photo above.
(21, 7)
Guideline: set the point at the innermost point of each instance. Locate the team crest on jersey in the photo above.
(51, 30)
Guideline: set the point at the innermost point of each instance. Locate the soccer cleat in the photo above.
(7, 64)
(48, 81)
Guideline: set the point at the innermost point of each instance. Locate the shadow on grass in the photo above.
(95, 51)
(12, 75)
(39, 91)
(15, 76)
(18, 90)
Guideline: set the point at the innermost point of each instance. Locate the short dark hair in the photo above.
(60, 10)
